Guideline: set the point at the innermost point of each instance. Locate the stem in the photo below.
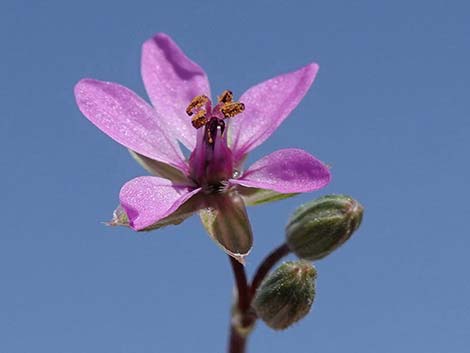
(242, 285)
(266, 266)
(243, 319)
(237, 342)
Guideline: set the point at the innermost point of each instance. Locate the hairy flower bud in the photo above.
(286, 295)
(317, 228)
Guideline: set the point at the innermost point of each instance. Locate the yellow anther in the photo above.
(226, 97)
(229, 110)
(196, 103)
(202, 113)
(199, 120)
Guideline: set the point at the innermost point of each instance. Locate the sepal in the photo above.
(226, 221)
(161, 169)
(256, 196)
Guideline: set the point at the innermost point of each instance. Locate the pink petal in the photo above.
(149, 199)
(172, 80)
(266, 106)
(129, 120)
(286, 171)
(185, 211)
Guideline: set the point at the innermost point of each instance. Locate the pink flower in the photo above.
(219, 136)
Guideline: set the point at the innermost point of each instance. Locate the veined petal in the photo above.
(146, 200)
(286, 171)
(227, 223)
(172, 80)
(266, 106)
(128, 119)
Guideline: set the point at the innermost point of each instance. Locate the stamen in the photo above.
(203, 115)
(229, 110)
(226, 97)
(199, 120)
(196, 103)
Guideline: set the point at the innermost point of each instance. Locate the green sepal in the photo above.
(256, 196)
(160, 169)
(226, 221)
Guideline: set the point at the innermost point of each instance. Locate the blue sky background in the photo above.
(389, 111)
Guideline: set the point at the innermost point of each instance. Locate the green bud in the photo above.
(319, 227)
(286, 295)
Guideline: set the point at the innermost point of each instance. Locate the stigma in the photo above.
(212, 118)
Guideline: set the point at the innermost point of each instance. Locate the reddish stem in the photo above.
(237, 343)
(266, 266)
(243, 290)
(244, 318)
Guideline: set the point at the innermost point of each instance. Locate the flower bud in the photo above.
(286, 295)
(317, 228)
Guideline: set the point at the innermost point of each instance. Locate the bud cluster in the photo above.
(314, 231)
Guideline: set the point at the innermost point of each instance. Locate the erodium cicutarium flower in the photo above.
(219, 134)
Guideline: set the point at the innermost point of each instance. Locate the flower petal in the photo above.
(266, 106)
(146, 200)
(185, 211)
(172, 80)
(227, 223)
(128, 119)
(286, 171)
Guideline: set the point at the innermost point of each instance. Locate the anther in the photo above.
(229, 110)
(196, 103)
(199, 120)
(226, 97)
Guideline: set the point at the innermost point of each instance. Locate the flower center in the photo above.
(203, 115)
(211, 161)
